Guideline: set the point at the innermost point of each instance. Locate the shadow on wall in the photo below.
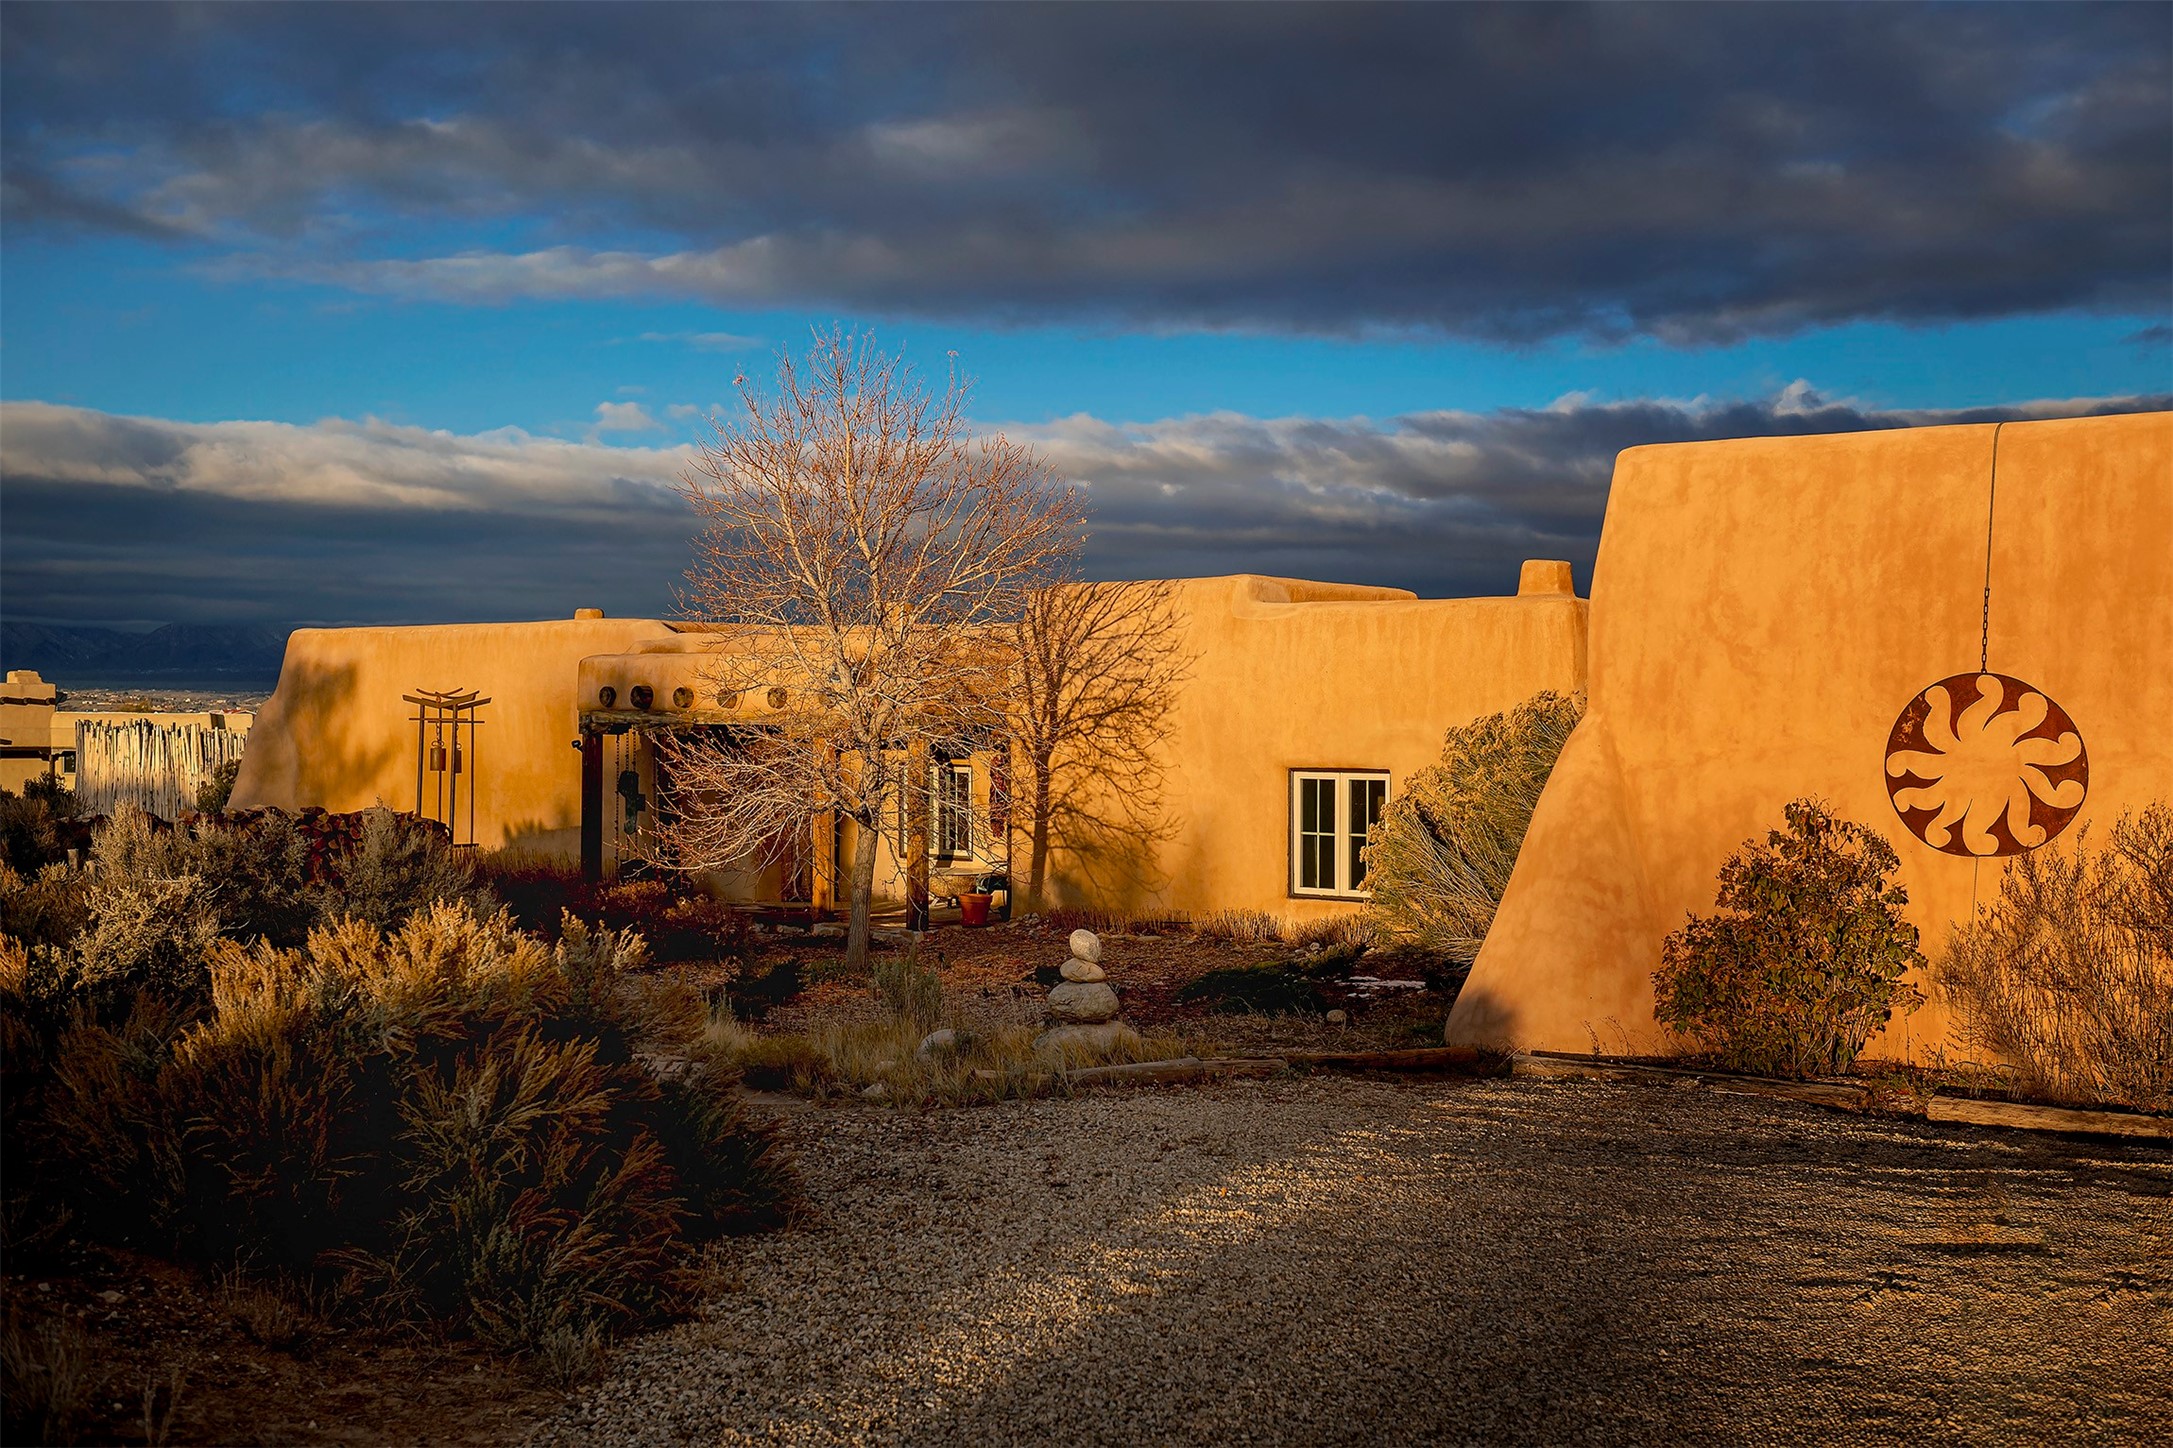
(317, 702)
(1110, 861)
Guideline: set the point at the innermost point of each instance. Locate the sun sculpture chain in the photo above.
(1082, 1003)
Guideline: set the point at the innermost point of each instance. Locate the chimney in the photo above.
(581, 613)
(1543, 576)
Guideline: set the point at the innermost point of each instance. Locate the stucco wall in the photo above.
(1295, 675)
(336, 732)
(1760, 612)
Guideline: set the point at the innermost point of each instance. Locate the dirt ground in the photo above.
(1330, 1260)
(152, 1327)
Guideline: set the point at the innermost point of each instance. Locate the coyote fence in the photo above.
(151, 765)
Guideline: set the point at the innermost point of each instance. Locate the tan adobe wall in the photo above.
(26, 728)
(1295, 675)
(336, 732)
(1761, 611)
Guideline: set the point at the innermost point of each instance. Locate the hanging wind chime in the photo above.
(1982, 764)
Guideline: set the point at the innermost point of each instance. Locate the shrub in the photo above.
(910, 992)
(1440, 857)
(35, 826)
(252, 873)
(47, 909)
(1267, 990)
(2068, 976)
(1804, 961)
(678, 924)
(448, 1122)
(218, 787)
(48, 1370)
(398, 868)
(1242, 926)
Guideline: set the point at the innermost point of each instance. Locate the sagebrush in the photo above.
(452, 1121)
(1803, 962)
(1440, 857)
(2067, 977)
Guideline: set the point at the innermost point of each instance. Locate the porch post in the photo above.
(592, 805)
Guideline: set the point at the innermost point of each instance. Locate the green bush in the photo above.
(1805, 959)
(213, 794)
(2067, 977)
(1440, 857)
(448, 1122)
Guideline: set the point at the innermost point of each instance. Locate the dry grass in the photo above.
(48, 1379)
(985, 1061)
(2068, 976)
(276, 1313)
(1246, 927)
(161, 1402)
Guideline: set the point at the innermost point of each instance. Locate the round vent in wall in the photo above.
(607, 696)
(682, 697)
(641, 696)
(778, 696)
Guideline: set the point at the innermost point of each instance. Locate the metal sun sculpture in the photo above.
(1983, 765)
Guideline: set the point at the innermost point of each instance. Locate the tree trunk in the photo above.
(856, 933)
(918, 777)
(1037, 857)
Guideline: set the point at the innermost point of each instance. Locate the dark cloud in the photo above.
(114, 520)
(1507, 172)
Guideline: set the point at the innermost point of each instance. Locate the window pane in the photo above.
(1316, 841)
(1366, 798)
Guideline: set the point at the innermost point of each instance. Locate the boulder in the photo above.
(1082, 1002)
(1086, 946)
(943, 1040)
(1082, 970)
(1076, 1042)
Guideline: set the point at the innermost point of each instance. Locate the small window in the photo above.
(1330, 812)
(953, 799)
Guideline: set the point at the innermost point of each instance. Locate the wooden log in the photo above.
(1417, 1058)
(2047, 1118)
(1816, 1093)
(1181, 1069)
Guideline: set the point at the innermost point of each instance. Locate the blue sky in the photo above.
(289, 294)
(126, 327)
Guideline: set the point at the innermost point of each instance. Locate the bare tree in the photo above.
(866, 557)
(1099, 667)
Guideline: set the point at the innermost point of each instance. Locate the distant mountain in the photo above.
(65, 653)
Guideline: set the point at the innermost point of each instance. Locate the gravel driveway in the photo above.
(1334, 1260)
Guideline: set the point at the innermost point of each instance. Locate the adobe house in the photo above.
(1766, 616)
(1305, 704)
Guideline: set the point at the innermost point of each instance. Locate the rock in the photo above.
(876, 1092)
(828, 928)
(1077, 1041)
(1082, 1002)
(1086, 946)
(943, 1040)
(1082, 970)
(109, 1296)
(1338, 1018)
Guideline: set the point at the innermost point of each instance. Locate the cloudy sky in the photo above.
(332, 314)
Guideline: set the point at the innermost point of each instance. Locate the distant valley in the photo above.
(179, 653)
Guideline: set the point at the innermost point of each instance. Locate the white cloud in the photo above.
(624, 417)
(706, 341)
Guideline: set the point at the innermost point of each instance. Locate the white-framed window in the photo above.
(951, 822)
(1330, 812)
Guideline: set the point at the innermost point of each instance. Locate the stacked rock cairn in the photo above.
(1082, 1003)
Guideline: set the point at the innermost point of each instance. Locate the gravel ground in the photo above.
(1333, 1260)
